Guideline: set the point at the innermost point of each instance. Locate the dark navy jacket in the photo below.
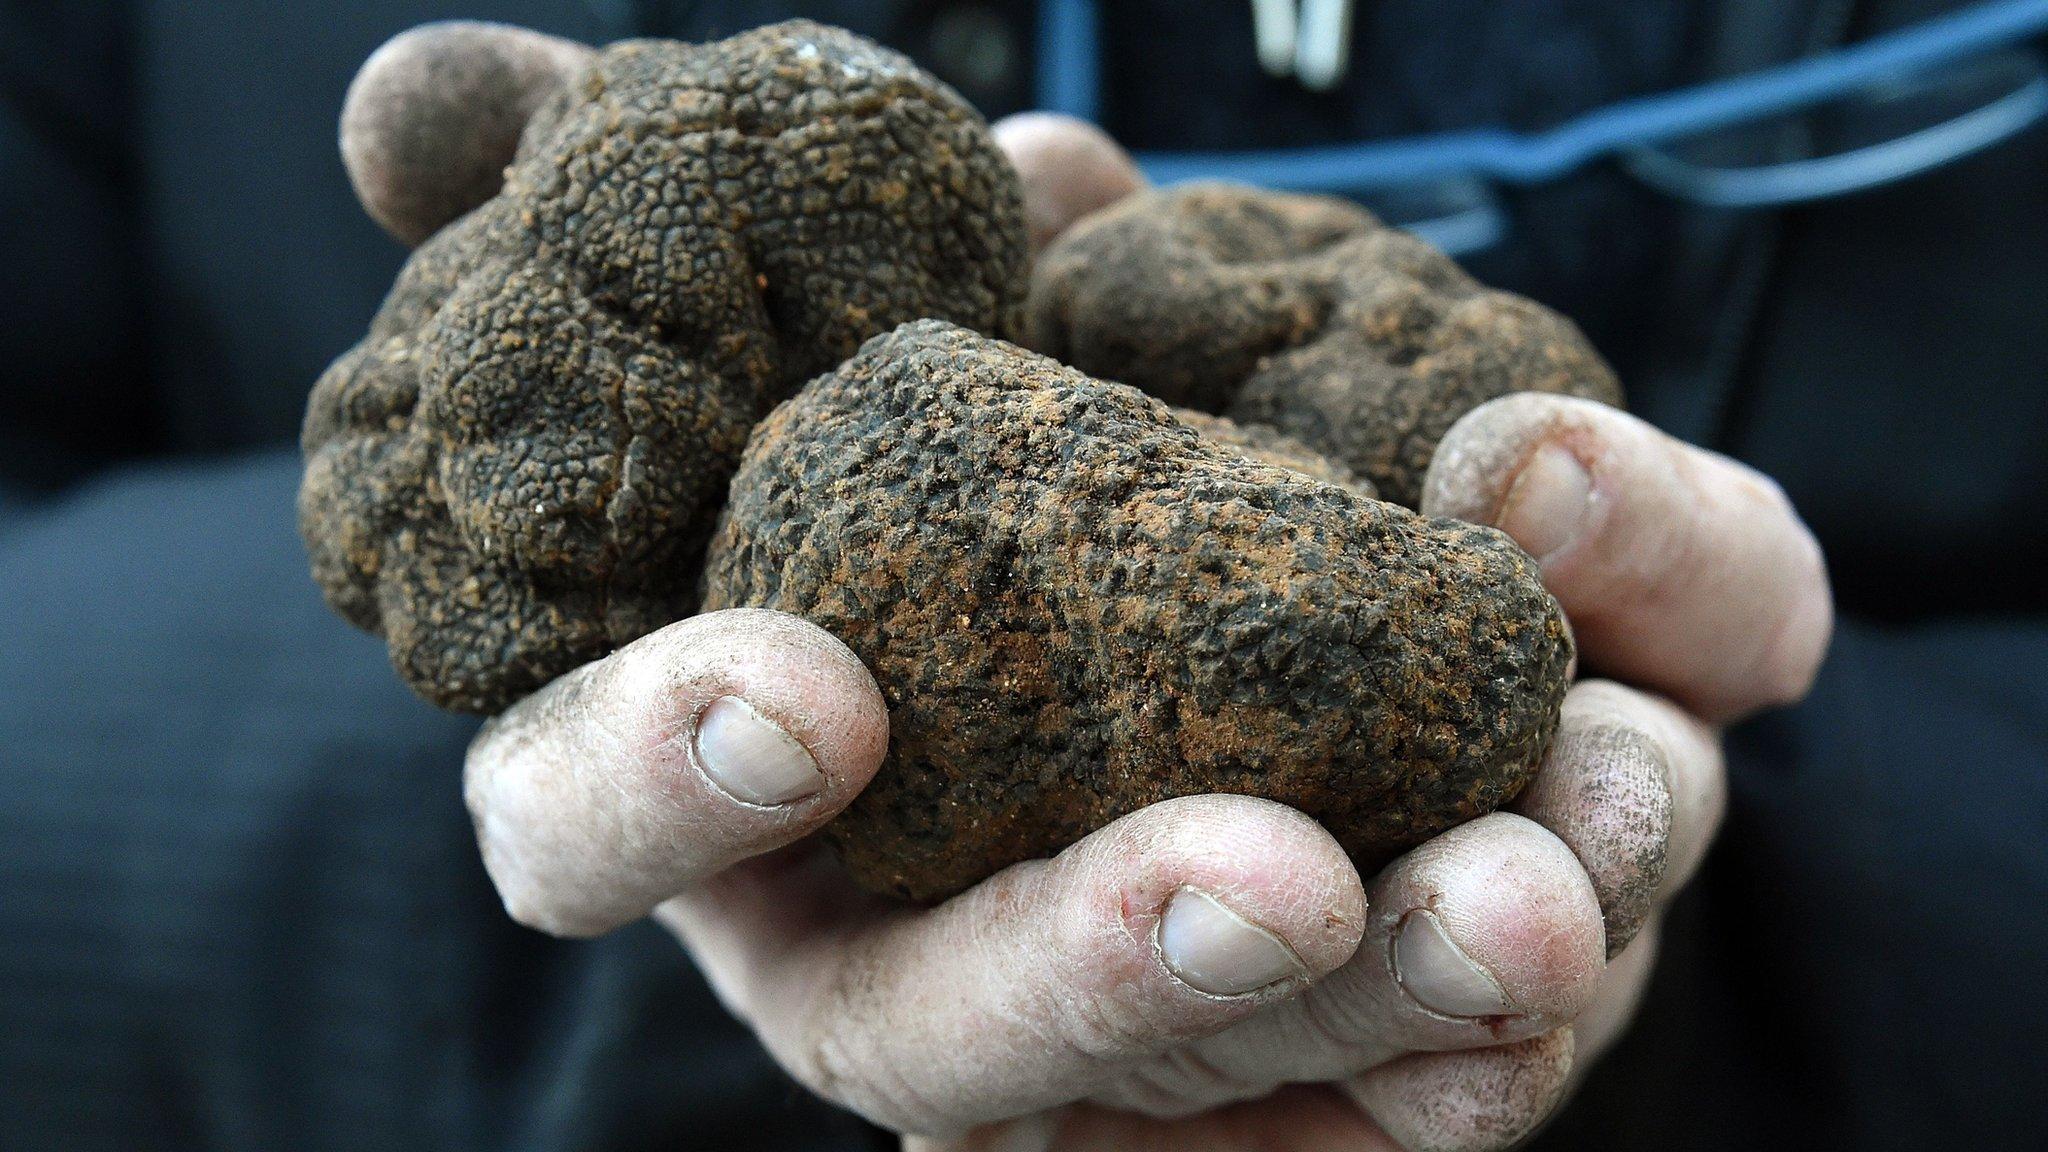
(239, 901)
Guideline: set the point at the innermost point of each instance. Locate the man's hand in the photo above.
(1191, 957)
(1184, 976)
(1209, 972)
(1682, 572)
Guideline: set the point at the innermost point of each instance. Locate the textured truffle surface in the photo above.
(1269, 445)
(517, 469)
(1301, 312)
(1077, 605)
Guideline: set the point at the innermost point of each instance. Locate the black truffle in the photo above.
(516, 470)
(1269, 445)
(1076, 605)
(1301, 312)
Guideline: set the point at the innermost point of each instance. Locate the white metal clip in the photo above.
(1310, 42)
(1322, 53)
(1273, 24)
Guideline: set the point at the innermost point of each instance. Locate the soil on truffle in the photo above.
(517, 469)
(1076, 605)
(1304, 313)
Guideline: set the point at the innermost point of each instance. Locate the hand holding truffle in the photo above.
(1169, 976)
(1057, 607)
(1182, 977)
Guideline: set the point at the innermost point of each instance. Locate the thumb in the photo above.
(1069, 168)
(434, 116)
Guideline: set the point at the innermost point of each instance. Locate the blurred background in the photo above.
(239, 900)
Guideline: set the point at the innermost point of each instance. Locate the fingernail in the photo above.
(1437, 973)
(751, 758)
(1546, 508)
(1212, 949)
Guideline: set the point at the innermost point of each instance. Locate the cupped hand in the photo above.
(1209, 972)
(1162, 978)
(1688, 577)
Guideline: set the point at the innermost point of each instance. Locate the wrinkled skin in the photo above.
(516, 471)
(1076, 607)
(1300, 312)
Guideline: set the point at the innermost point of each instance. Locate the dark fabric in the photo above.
(239, 903)
(70, 342)
(1841, 976)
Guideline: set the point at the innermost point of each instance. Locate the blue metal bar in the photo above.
(1803, 181)
(1069, 74)
(1070, 58)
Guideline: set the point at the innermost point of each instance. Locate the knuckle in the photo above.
(1760, 487)
(830, 1059)
(818, 1062)
(834, 1049)
(1798, 627)
(476, 791)
(1096, 1029)
(1182, 1082)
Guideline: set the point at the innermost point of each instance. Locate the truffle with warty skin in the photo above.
(1269, 445)
(516, 471)
(1300, 312)
(1077, 605)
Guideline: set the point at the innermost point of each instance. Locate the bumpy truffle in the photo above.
(1302, 312)
(517, 470)
(1077, 605)
(1269, 445)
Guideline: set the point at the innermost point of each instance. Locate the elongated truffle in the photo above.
(517, 469)
(1300, 312)
(1077, 605)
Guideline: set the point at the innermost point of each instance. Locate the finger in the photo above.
(434, 116)
(715, 739)
(1621, 993)
(1681, 570)
(1487, 934)
(1476, 1100)
(1633, 786)
(1068, 167)
(1300, 1118)
(1021, 994)
(1490, 932)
